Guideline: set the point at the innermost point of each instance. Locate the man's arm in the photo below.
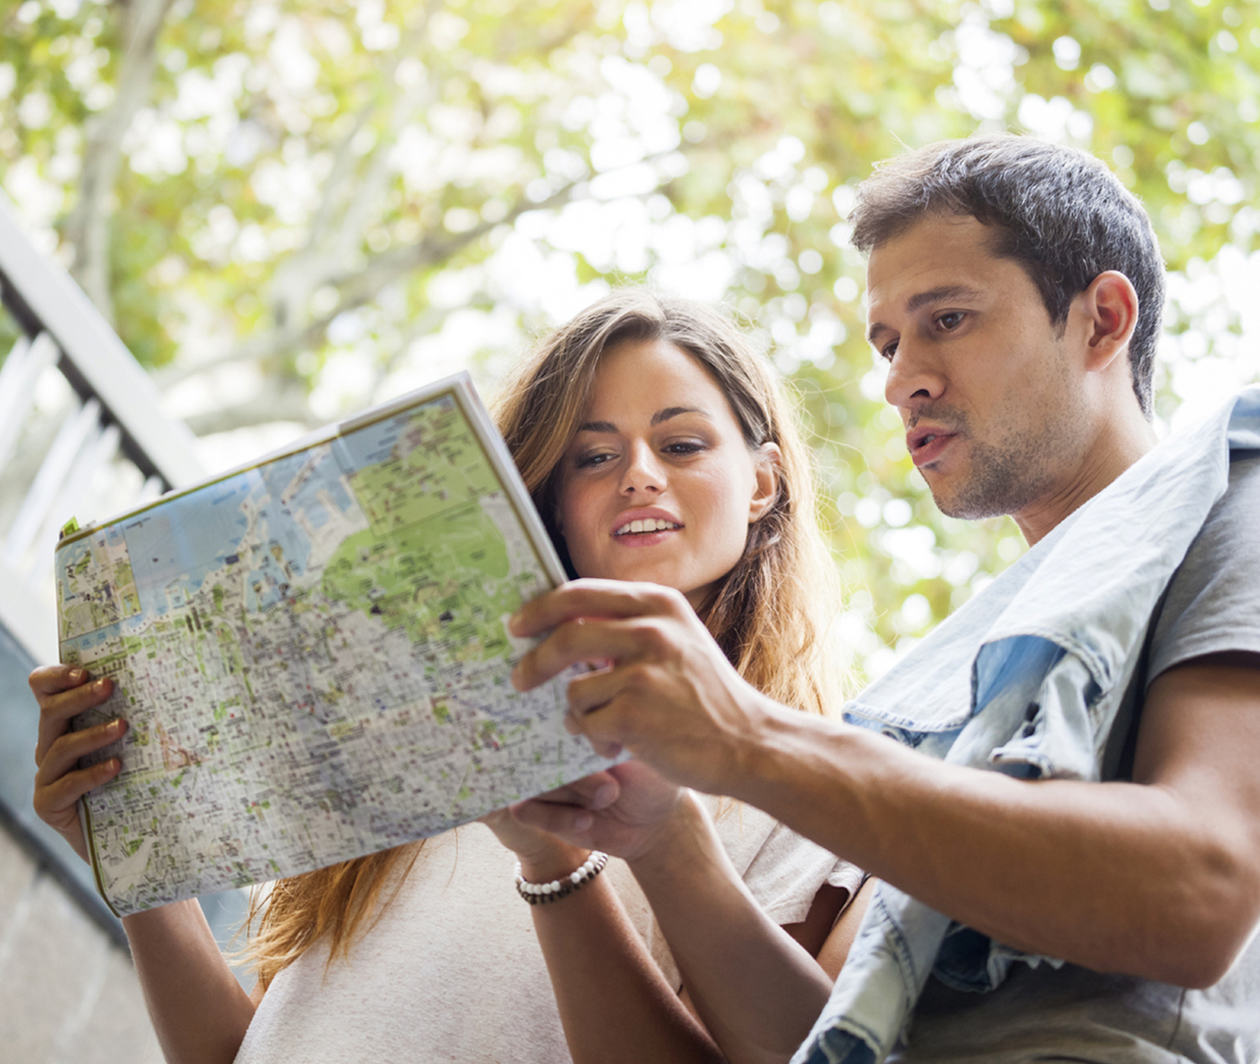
(1158, 878)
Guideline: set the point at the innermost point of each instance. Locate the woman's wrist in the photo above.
(553, 860)
(680, 834)
(541, 893)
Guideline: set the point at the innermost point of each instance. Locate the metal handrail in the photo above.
(110, 422)
(117, 418)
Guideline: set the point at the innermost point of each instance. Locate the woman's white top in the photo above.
(452, 970)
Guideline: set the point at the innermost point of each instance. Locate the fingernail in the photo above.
(77, 675)
(101, 686)
(604, 796)
(583, 821)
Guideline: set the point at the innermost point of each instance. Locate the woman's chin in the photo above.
(663, 574)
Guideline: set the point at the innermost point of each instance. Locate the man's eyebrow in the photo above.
(661, 415)
(921, 299)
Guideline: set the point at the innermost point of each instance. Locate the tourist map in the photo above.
(312, 655)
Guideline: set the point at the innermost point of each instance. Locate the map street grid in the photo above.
(312, 655)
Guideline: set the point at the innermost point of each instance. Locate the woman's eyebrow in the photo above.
(674, 411)
(661, 415)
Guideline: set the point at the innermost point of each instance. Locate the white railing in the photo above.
(81, 433)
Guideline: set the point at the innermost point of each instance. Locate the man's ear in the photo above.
(1111, 306)
(768, 466)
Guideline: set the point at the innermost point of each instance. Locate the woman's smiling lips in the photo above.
(926, 444)
(644, 527)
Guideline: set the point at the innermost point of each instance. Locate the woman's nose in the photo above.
(643, 471)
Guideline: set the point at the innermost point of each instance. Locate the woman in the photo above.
(657, 449)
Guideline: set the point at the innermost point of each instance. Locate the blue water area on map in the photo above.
(307, 483)
(90, 640)
(282, 553)
(256, 520)
(317, 514)
(375, 443)
(174, 546)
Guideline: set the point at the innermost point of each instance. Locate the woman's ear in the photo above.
(767, 469)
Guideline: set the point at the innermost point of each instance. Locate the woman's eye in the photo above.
(684, 447)
(597, 458)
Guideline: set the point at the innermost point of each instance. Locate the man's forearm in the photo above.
(1172, 861)
(1004, 856)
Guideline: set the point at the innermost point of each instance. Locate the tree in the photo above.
(263, 194)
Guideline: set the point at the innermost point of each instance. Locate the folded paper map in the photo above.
(312, 654)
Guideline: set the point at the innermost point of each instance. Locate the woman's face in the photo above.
(658, 483)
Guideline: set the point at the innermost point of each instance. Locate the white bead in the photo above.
(559, 888)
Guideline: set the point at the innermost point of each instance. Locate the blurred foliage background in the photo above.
(290, 209)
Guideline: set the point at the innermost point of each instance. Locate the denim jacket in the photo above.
(1027, 678)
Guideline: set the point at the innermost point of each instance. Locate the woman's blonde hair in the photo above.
(768, 614)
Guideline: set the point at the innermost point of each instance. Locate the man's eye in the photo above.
(888, 350)
(950, 320)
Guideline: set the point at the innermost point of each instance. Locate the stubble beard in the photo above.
(1022, 458)
(1001, 479)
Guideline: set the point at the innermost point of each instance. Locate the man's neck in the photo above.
(1126, 440)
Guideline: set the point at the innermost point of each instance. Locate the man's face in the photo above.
(985, 384)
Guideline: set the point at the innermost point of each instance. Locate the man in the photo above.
(1057, 790)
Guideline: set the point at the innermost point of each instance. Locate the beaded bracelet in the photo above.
(538, 893)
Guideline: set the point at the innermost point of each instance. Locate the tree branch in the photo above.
(347, 195)
(358, 288)
(289, 403)
(87, 228)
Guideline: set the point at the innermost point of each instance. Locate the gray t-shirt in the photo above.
(1211, 606)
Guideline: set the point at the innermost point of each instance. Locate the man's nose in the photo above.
(914, 376)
